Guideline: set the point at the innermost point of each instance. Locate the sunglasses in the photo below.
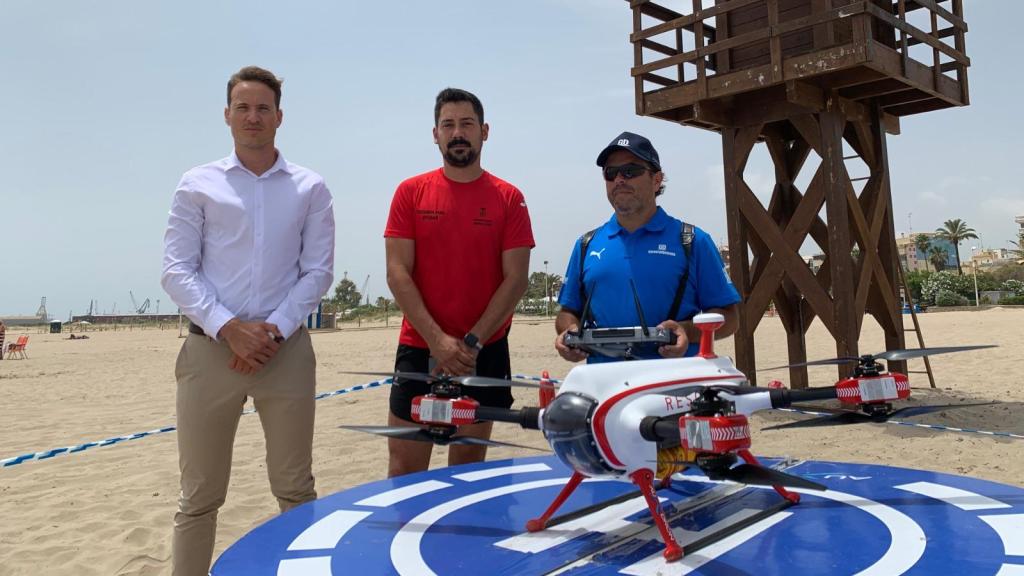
(628, 171)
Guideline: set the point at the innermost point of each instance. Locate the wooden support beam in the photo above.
(832, 123)
(873, 89)
(739, 265)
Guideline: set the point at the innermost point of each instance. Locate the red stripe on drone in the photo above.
(607, 405)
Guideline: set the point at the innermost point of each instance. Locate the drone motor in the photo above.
(880, 389)
(714, 434)
(433, 409)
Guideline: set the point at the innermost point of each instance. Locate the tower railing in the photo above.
(908, 56)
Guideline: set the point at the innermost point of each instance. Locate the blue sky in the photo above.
(105, 104)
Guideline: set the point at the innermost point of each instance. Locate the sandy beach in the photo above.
(107, 510)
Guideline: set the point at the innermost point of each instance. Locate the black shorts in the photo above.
(493, 361)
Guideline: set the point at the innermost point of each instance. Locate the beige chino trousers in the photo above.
(209, 404)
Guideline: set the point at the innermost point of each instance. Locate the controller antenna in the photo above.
(639, 309)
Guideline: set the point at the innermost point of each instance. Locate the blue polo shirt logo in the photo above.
(663, 250)
(597, 253)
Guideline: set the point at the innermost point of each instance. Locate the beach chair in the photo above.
(17, 349)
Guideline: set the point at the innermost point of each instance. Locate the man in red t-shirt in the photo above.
(458, 243)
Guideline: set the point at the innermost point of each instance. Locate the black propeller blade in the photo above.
(754, 474)
(842, 417)
(464, 380)
(494, 382)
(837, 419)
(469, 440)
(908, 354)
(422, 435)
(829, 361)
(761, 476)
(918, 410)
(887, 355)
(400, 432)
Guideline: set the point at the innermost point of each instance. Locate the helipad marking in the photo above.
(655, 564)
(906, 538)
(606, 521)
(406, 556)
(962, 499)
(392, 497)
(319, 566)
(1011, 570)
(501, 471)
(1010, 528)
(325, 533)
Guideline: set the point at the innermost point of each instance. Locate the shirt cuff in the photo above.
(286, 326)
(216, 321)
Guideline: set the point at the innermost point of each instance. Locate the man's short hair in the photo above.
(449, 95)
(256, 74)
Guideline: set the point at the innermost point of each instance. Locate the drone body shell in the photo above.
(624, 393)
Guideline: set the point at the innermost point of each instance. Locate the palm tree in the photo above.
(939, 256)
(1019, 252)
(956, 231)
(923, 244)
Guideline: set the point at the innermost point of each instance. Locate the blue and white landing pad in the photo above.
(464, 520)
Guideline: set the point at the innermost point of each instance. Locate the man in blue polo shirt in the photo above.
(675, 267)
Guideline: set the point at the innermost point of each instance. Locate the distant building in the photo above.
(992, 257)
(723, 251)
(1020, 239)
(24, 320)
(815, 262)
(911, 259)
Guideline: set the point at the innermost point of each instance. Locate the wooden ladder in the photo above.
(917, 328)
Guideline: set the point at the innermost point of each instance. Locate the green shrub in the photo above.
(949, 298)
(1013, 300)
(914, 279)
(945, 281)
(1015, 286)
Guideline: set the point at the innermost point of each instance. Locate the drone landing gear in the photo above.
(538, 524)
(750, 459)
(644, 479)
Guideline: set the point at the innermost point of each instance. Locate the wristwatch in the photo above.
(472, 341)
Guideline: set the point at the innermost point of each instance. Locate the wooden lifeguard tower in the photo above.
(804, 77)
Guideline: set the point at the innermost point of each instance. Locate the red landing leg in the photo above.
(644, 479)
(749, 459)
(538, 524)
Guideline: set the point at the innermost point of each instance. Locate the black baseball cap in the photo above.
(636, 145)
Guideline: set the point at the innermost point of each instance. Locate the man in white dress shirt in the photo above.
(248, 253)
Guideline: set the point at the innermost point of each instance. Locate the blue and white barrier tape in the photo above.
(915, 424)
(6, 462)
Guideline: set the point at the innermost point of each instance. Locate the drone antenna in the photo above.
(639, 309)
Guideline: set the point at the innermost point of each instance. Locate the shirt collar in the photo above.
(657, 223)
(281, 164)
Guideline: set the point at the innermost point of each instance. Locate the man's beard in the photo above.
(626, 204)
(464, 159)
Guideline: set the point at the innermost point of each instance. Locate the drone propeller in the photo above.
(399, 432)
(422, 435)
(753, 474)
(843, 417)
(908, 354)
(887, 355)
(482, 381)
(761, 476)
(828, 361)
